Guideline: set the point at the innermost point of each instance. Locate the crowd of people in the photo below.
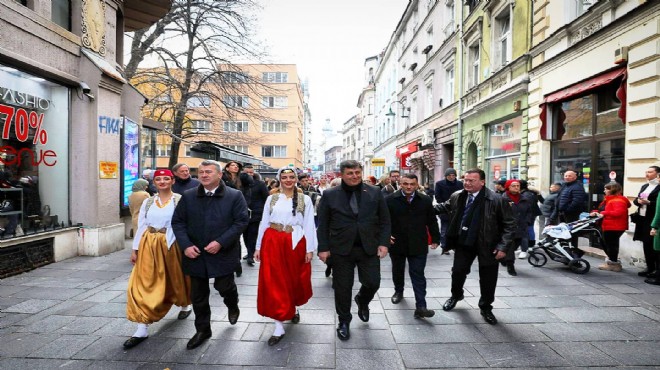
(188, 230)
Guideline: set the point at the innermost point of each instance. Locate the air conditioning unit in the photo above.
(427, 138)
(621, 55)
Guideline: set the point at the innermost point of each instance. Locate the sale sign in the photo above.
(18, 124)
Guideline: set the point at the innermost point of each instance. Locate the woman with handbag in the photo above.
(614, 212)
(646, 203)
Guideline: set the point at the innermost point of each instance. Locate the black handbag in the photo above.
(636, 218)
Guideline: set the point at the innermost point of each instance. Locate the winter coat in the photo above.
(444, 189)
(614, 209)
(258, 195)
(522, 212)
(643, 228)
(572, 201)
(549, 204)
(246, 184)
(182, 185)
(410, 222)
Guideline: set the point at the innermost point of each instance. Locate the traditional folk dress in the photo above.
(157, 281)
(285, 280)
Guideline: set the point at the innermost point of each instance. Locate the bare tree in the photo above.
(193, 46)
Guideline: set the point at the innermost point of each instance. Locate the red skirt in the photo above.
(285, 280)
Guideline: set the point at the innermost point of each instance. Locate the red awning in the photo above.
(583, 88)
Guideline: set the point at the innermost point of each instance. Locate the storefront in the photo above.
(503, 149)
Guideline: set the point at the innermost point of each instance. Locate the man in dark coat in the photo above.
(522, 210)
(413, 221)
(182, 179)
(480, 226)
(571, 201)
(258, 195)
(354, 227)
(208, 222)
(443, 190)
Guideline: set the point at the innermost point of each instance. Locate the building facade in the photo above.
(365, 117)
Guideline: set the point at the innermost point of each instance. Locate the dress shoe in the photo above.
(397, 297)
(296, 318)
(184, 314)
(423, 312)
(489, 317)
(198, 339)
(644, 273)
(134, 341)
(275, 339)
(445, 252)
(363, 309)
(511, 270)
(245, 257)
(652, 281)
(239, 271)
(250, 261)
(328, 271)
(343, 331)
(233, 314)
(451, 303)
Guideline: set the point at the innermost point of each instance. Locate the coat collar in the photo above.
(219, 192)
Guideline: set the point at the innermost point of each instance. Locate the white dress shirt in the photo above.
(282, 214)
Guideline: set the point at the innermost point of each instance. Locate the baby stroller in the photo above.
(557, 244)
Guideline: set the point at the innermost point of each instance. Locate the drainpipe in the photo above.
(459, 161)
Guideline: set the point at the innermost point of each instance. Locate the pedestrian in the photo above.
(572, 201)
(234, 177)
(646, 202)
(499, 186)
(354, 229)
(147, 174)
(258, 195)
(549, 201)
(480, 226)
(614, 212)
(653, 278)
(323, 185)
(383, 181)
(285, 247)
(208, 222)
(135, 200)
(521, 209)
(182, 179)
(157, 281)
(274, 186)
(534, 196)
(394, 182)
(443, 190)
(413, 221)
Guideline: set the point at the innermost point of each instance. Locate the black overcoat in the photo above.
(199, 219)
(410, 222)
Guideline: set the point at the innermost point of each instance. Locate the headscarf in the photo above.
(514, 197)
(163, 172)
(140, 185)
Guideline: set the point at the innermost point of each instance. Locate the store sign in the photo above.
(406, 161)
(378, 162)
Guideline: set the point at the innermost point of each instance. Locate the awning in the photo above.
(581, 89)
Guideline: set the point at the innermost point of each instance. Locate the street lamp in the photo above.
(404, 110)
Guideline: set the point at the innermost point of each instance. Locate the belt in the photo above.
(280, 227)
(153, 230)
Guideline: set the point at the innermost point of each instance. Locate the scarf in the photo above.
(514, 197)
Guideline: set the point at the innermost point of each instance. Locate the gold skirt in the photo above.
(157, 281)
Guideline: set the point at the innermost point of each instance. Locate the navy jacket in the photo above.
(572, 201)
(410, 222)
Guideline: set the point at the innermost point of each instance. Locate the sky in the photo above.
(329, 42)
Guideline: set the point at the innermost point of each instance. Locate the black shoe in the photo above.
(184, 314)
(328, 271)
(239, 271)
(296, 318)
(343, 331)
(198, 339)
(451, 303)
(245, 257)
(511, 270)
(423, 312)
(489, 317)
(652, 281)
(645, 273)
(397, 297)
(363, 309)
(274, 340)
(250, 261)
(445, 252)
(233, 314)
(133, 341)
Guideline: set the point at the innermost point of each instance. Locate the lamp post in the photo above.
(404, 110)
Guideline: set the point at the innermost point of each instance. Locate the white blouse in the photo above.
(649, 189)
(281, 214)
(157, 218)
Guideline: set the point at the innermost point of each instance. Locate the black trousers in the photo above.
(343, 270)
(199, 294)
(250, 237)
(463, 258)
(416, 266)
(652, 262)
(612, 244)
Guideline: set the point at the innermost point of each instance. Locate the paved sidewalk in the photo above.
(71, 315)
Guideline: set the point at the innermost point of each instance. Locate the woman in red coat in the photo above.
(614, 211)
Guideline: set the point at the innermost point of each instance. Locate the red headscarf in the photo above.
(514, 197)
(164, 172)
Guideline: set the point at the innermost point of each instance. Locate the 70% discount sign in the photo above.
(23, 121)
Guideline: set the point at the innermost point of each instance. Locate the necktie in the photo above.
(209, 193)
(354, 203)
(409, 198)
(467, 209)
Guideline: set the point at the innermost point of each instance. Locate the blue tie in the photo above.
(467, 209)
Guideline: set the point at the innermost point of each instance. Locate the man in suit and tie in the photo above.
(354, 227)
(481, 226)
(413, 224)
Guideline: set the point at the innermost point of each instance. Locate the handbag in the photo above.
(636, 218)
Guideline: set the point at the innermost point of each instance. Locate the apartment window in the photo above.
(473, 61)
(449, 87)
(199, 125)
(235, 126)
(273, 151)
(239, 148)
(234, 77)
(503, 38)
(199, 102)
(275, 102)
(163, 150)
(576, 8)
(275, 77)
(472, 5)
(236, 101)
(186, 148)
(428, 108)
(60, 12)
(273, 126)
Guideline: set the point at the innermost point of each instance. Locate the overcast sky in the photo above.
(329, 41)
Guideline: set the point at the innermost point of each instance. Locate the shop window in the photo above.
(503, 155)
(148, 144)
(61, 13)
(34, 162)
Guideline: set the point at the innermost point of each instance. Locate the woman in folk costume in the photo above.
(285, 246)
(157, 281)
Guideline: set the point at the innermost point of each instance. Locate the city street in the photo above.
(71, 315)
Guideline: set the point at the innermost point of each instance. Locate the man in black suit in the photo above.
(481, 226)
(413, 221)
(354, 227)
(208, 222)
